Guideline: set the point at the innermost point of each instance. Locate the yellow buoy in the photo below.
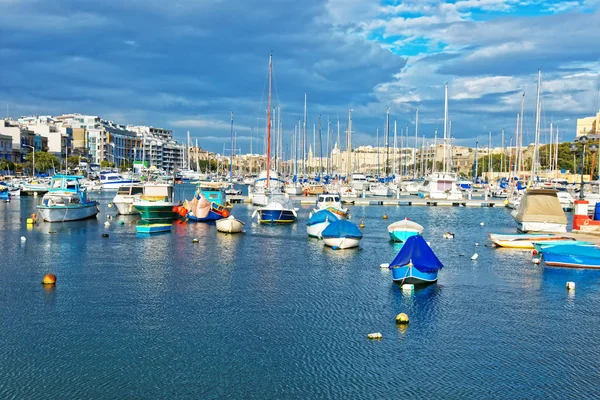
(384, 216)
(362, 223)
(30, 221)
(402, 318)
(195, 240)
(49, 279)
(376, 335)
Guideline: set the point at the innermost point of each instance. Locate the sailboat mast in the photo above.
(490, 168)
(348, 145)
(328, 167)
(231, 157)
(395, 148)
(269, 121)
(320, 150)
(537, 129)
(416, 143)
(304, 140)
(377, 135)
(445, 122)
(521, 134)
(387, 143)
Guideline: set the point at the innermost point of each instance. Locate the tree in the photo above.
(43, 161)
(106, 164)
(124, 164)
(72, 161)
(6, 165)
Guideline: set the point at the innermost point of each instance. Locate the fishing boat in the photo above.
(279, 210)
(572, 256)
(341, 234)
(318, 221)
(440, 186)
(333, 203)
(400, 231)
(66, 200)
(230, 225)
(152, 228)
(35, 188)
(524, 241)
(208, 204)
(416, 263)
(114, 180)
(540, 211)
(157, 206)
(123, 200)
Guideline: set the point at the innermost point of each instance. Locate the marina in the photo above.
(188, 313)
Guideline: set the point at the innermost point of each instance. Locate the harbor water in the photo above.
(272, 314)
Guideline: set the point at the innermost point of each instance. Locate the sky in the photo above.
(187, 64)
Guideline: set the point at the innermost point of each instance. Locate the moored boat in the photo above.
(333, 203)
(318, 221)
(572, 256)
(416, 263)
(157, 206)
(540, 211)
(400, 231)
(66, 201)
(341, 234)
(153, 228)
(279, 210)
(208, 204)
(524, 241)
(230, 225)
(123, 200)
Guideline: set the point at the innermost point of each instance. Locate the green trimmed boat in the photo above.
(156, 205)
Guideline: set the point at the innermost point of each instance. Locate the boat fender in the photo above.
(402, 318)
(376, 335)
(474, 256)
(105, 235)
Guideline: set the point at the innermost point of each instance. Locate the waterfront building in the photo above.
(158, 148)
(588, 126)
(6, 147)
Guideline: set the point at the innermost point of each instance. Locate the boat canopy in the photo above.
(541, 205)
(417, 251)
(342, 229)
(322, 216)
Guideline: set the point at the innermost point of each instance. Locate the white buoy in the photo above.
(476, 244)
(481, 224)
(570, 285)
(23, 239)
(106, 224)
(474, 256)
(535, 260)
(384, 265)
(376, 335)
(408, 286)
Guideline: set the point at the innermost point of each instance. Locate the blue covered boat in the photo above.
(4, 193)
(318, 221)
(572, 256)
(341, 234)
(416, 263)
(209, 204)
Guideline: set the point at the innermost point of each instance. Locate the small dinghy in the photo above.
(524, 241)
(400, 231)
(318, 221)
(341, 234)
(230, 225)
(416, 263)
(153, 228)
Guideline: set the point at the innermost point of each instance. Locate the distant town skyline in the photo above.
(185, 65)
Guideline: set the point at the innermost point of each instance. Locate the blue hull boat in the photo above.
(4, 194)
(212, 216)
(572, 256)
(153, 228)
(276, 216)
(415, 263)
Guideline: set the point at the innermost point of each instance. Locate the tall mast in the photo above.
(231, 157)
(320, 150)
(377, 136)
(387, 143)
(416, 142)
(269, 121)
(348, 144)
(328, 166)
(490, 168)
(520, 146)
(434, 150)
(395, 148)
(502, 154)
(304, 140)
(537, 129)
(445, 122)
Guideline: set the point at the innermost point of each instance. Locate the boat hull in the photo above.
(212, 216)
(401, 235)
(156, 212)
(4, 196)
(62, 213)
(411, 275)
(570, 261)
(230, 225)
(276, 216)
(153, 228)
(525, 227)
(125, 207)
(315, 230)
(341, 243)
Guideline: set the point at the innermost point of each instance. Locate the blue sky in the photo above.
(185, 64)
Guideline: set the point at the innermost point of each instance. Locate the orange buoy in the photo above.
(183, 211)
(176, 209)
(49, 279)
(225, 213)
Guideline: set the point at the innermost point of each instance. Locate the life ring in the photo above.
(586, 222)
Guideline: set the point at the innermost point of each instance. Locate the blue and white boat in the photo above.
(341, 234)
(416, 263)
(113, 180)
(265, 189)
(148, 229)
(4, 193)
(279, 210)
(400, 231)
(547, 245)
(318, 221)
(66, 200)
(209, 204)
(572, 256)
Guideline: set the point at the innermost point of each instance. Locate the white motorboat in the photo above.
(333, 203)
(230, 225)
(359, 182)
(380, 190)
(123, 200)
(540, 211)
(263, 191)
(293, 189)
(114, 180)
(440, 186)
(66, 201)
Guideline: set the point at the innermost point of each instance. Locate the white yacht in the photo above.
(359, 182)
(380, 190)
(114, 180)
(440, 186)
(262, 192)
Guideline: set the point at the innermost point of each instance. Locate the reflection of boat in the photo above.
(153, 228)
(66, 201)
(540, 211)
(341, 234)
(572, 256)
(230, 225)
(156, 205)
(333, 203)
(416, 263)
(209, 204)
(318, 221)
(279, 210)
(400, 231)
(524, 241)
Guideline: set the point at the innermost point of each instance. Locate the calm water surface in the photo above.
(272, 314)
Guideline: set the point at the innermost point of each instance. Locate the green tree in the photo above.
(125, 164)
(43, 161)
(106, 164)
(6, 165)
(73, 161)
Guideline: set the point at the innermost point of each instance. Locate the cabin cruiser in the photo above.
(262, 190)
(440, 186)
(114, 180)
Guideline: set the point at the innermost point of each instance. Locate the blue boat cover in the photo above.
(322, 216)
(342, 228)
(417, 251)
